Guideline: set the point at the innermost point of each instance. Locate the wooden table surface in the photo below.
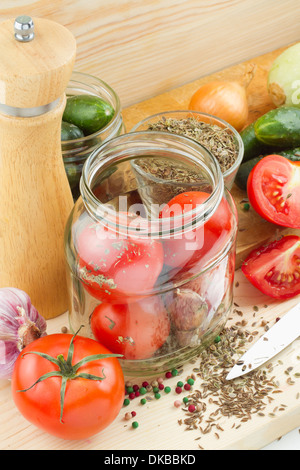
(158, 420)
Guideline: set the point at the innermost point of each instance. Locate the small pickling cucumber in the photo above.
(279, 127)
(70, 131)
(291, 154)
(244, 171)
(89, 113)
(245, 168)
(252, 146)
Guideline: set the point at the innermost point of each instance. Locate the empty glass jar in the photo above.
(151, 256)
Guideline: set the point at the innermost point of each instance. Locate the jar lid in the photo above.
(37, 58)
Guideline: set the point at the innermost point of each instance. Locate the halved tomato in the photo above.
(275, 268)
(274, 190)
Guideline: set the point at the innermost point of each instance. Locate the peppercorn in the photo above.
(135, 424)
(144, 384)
(180, 384)
(217, 339)
(191, 408)
(190, 381)
(185, 399)
(177, 403)
(143, 401)
(161, 386)
(157, 396)
(131, 396)
(178, 390)
(155, 389)
(133, 414)
(187, 387)
(129, 389)
(142, 390)
(168, 375)
(174, 372)
(167, 389)
(126, 402)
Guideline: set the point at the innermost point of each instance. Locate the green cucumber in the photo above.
(279, 127)
(70, 131)
(252, 146)
(89, 113)
(244, 171)
(246, 167)
(291, 154)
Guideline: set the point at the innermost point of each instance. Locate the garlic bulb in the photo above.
(20, 324)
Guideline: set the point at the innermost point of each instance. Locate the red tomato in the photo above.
(113, 267)
(136, 330)
(275, 268)
(202, 243)
(89, 405)
(274, 190)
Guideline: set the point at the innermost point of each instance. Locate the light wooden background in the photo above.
(146, 47)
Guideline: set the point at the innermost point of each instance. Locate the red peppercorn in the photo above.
(161, 386)
(133, 414)
(178, 390)
(191, 408)
(168, 375)
(131, 395)
(135, 388)
(145, 384)
(187, 387)
(137, 393)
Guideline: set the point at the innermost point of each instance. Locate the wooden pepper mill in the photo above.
(37, 58)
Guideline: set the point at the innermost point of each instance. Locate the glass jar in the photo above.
(151, 264)
(229, 174)
(76, 151)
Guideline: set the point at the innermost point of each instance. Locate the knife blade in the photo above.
(277, 338)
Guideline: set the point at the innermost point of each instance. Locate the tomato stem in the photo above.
(67, 371)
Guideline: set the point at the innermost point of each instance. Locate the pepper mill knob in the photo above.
(24, 28)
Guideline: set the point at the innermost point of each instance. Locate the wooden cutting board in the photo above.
(253, 230)
(159, 427)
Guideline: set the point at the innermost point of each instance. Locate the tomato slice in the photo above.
(274, 190)
(275, 268)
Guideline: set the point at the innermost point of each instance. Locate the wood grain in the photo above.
(35, 197)
(158, 419)
(144, 48)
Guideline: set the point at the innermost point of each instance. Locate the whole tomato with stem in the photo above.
(70, 386)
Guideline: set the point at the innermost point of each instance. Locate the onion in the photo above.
(284, 78)
(20, 324)
(225, 99)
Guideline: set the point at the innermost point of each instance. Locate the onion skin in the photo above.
(20, 324)
(225, 100)
(284, 78)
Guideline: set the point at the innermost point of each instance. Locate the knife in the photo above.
(278, 337)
